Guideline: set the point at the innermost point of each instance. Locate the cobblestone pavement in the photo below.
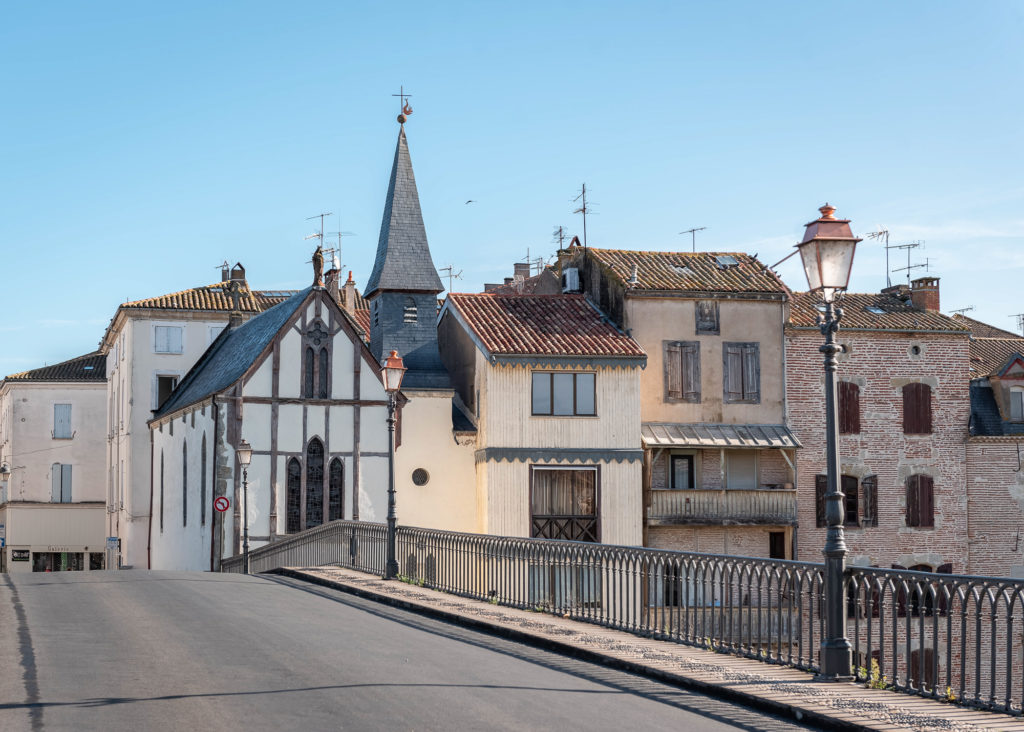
(786, 690)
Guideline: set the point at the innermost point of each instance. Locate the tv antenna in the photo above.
(883, 234)
(1020, 322)
(224, 268)
(910, 267)
(559, 236)
(336, 251)
(452, 274)
(909, 247)
(315, 235)
(693, 234)
(583, 209)
(961, 311)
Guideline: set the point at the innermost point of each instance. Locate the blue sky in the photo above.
(142, 144)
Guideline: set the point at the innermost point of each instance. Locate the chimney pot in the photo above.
(924, 293)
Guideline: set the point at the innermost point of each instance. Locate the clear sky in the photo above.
(141, 144)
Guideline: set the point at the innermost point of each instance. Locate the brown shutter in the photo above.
(849, 408)
(941, 603)
(869, 501)
(751, 373)
(912, 502)
(901, 595)
(673, 371)
(820, 488)
(917, 409)
(926, 501)
(850, 500)
(691, 371)
(733, 376)
(925, 408)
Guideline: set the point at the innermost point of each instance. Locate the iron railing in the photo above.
(765, 506)
(944, 636)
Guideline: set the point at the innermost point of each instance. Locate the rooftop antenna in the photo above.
(910, 267)
(693, 233)
(319, 236)
(559, 236)
(961, 311)
(583, 209)
(336, 251)
(1020, 322)
(225, 270)
(452, 274)
(883, 234)
(909, 246)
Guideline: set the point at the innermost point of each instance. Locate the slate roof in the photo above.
(545, 325)
(984, 330)
(231, 354)
(214, 297)
(989, 355)
(403, 257)
(985, 418)
(896, 314)
(690, 272)
(90, 367)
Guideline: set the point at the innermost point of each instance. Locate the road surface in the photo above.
(140, 651)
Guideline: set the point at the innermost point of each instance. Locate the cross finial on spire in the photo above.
(406, 109)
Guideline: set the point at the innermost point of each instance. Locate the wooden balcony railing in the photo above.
(763, 506)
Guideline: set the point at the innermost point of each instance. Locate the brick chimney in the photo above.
(349, 294)
(924, 293)
(521, 269)
(331, 283)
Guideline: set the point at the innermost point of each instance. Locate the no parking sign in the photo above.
(221, 504)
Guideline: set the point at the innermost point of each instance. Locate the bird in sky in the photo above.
(471, 201)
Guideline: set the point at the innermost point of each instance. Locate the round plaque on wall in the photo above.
(420, 476)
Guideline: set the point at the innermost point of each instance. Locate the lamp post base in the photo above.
(836, 661)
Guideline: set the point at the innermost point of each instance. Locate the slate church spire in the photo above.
(403, 286)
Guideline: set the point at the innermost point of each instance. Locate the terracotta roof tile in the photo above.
(214, 297)
(691, 272)
(362, 318)
(545, 325)
(989, 355)
(872, 311)
(984, 330)
(90, 367)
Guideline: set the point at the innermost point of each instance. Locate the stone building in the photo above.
(52, 473)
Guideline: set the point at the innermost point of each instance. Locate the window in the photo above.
(564, 394)
(202, 483)
(563, 504)
(376, 313)
(212, 333)
(314, 483)
(409, 311)
(776, 544)
(917, 409)
(294, 497)
(167, 339)
(742, 373)
(849, 408)
(324, 364)
(184, 484)
(682, 472)
(707, 317)
(336, 483)
(920, 501)
(860, 500)
(62, 422)
(1017, 404)
(741, 470)
(682, 371)
(307, 385)
(60, 476)
(164, 386)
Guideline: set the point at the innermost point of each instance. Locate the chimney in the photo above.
(236, 284)
(521, 269)
(924, 293)
(238, 273)
(349, 294)
(508, 280)
(331, 283)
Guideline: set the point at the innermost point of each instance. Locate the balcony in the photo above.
(775, 507)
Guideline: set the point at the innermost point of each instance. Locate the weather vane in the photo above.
(403, 100)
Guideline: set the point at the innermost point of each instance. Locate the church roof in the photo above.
(90, 367)
(231, 354)
(403, 257)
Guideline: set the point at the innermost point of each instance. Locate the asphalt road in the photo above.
(137, 650)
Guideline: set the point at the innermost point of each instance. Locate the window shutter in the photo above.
(849, 408)
(869, 501)
(174, 339)
(691, 371)
(751, 373)
(673, 371)
(926, 501)
(912, 495)
(820, 488)
(55, 473)
(62, 420)
(65, 484)
(733, 376)
(901, 594)
(917, 409)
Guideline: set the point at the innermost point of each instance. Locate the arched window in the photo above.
(324, 365)
(336, 483)
(184, 484)
(409, 312)
(314, 483)
(294, 499)
(307, 386)
(161, 491)
(202, 483)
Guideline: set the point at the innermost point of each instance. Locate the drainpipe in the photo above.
(214, 561)
(149, 533)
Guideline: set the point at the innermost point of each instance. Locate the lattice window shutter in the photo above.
(673, 371)
(820, 488)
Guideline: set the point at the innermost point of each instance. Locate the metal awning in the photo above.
(711, 434)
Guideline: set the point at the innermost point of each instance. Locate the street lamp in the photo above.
(394, 370)
(244, 454)
(827, 253)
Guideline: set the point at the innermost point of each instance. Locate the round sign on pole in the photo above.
(221, 503)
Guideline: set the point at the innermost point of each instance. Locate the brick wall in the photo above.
(995, 499)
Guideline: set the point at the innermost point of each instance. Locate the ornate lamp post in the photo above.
(244, 454)
(394, 370)
(827, 253)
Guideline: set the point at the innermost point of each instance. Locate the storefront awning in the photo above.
(710, 434)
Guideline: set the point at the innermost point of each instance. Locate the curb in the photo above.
(782, 709)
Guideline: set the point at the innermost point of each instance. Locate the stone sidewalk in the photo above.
(778, 689)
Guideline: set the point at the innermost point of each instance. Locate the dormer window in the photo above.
(1017, 403)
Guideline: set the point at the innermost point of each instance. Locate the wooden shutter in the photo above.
(691, 371)
(62, 420)
(917, 409)
(869, 501)
(673, 370)
(901, 595)
(65, 483)
(55, 482)
(751, 373)
(925, 500)
(850, 500)
(912, 494)
(733, 376)
(820, 488)
(849, 408)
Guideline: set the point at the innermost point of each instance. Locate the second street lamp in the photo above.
(394, 370)
(244, 454)
(827, 253)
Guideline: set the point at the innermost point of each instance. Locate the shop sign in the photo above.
(20, 555)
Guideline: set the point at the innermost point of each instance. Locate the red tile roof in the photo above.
(214, 297)
(861, 311)
(984, 330)
(690, 271)
(362, 317)
(542, 325)
(989, 355)
(90, 367)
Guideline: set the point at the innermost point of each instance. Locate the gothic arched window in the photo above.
(314, 483)
(324, 365)
(336, 483)
(294, 499)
